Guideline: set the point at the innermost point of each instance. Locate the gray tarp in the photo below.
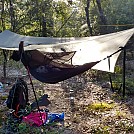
(88, 49)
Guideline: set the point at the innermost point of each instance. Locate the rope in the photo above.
(112, 54)
(115, 25)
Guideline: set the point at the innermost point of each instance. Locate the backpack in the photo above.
(18, 96)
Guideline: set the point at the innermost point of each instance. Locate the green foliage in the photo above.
(118, 69)
(119, 12)
(63, 19)
(130, 86)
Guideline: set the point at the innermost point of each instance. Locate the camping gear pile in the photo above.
(18, 101)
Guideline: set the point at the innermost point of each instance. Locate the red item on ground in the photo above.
(34, 118)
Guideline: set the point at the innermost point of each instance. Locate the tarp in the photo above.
(87, 49)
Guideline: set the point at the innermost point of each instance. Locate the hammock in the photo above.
(52, 60)
(46, 69)
(51, 74)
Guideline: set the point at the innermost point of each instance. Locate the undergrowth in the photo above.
(100, 106)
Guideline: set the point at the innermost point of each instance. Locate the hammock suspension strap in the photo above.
(110, 78)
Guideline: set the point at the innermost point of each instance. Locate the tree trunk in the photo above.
(2, 15)
(44, 28)
(5, 63)
(12, 15)
(103, 30)
(43, 20)
(3, 28)
(87, 16)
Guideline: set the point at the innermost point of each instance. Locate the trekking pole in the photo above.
(34, 92)
(21, 52)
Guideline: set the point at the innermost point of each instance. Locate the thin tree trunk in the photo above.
(2, 14)
(102, 17)
(4, 51)
(5, 63)
(87, 16)
(44, 28)
(12, 15)
(43, 20)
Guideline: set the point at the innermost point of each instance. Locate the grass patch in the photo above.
(103, 106)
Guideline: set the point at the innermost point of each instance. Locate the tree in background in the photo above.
(65, 19)
(119, 13)
(87, 16)
(2, 22)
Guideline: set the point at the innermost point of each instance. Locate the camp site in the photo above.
(67, 67)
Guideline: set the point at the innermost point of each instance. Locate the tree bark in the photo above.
(43, 20)
(5, 64)
(102, 17)
(2, 14)
(44, 27)
(12, 16)
(87, 16)
(4, 51)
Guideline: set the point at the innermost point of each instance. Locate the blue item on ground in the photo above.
(53, 117)
(1, 85)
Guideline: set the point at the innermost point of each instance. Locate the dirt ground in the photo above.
(75, 96)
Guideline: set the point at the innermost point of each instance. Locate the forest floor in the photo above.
(90, 107)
